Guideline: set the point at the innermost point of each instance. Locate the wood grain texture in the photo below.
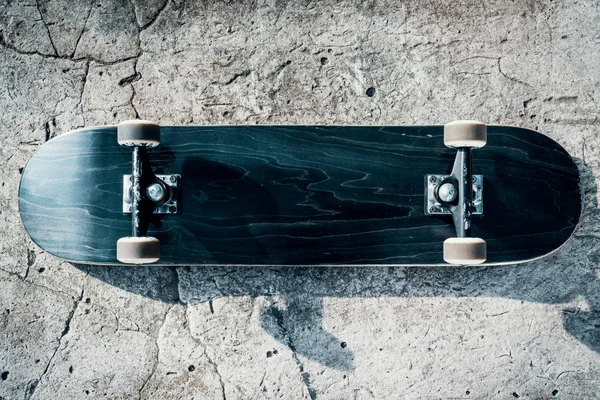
(299, 195)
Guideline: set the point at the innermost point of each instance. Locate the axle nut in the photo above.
(155, 192)
(447, 192)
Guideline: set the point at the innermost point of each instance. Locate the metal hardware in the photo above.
(433, 205)
(136, 192)
(447, 192)
(461, 172)
(165, 194)
(156, 193)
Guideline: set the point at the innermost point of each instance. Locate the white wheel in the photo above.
(138, 250)
(465, 251)
(465, 134)
(137, 132)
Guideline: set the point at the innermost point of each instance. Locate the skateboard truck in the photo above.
(163, 192)
(459, 194)
(144, 192)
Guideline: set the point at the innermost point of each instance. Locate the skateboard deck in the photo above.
(299, 195)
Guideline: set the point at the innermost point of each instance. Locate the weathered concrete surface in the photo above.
(530, 331)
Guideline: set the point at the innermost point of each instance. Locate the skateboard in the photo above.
(464, 193)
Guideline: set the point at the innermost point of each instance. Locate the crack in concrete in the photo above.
(178, 285)
(216, 369)
(80, 103)
(214, 281)
(30, 389)
(8, 46)
(287, 339)
(138, 76)
(31, 256)
(65, 331)
(158, 14)
(134, 15)
(48, 130)
(37, 5)
(189, 327)
(16, 275)
(82, 29)
(510, 77)
(22, 279)
(242, 74)
(155, 366)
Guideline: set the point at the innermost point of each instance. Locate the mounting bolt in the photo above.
(172, 209)
(432, 209)
(432, 179)
(173, 178)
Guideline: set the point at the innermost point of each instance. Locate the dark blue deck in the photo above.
(299, 195)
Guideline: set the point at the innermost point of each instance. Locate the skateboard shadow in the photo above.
(296, 295)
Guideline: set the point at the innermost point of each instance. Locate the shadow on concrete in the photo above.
(568, 275)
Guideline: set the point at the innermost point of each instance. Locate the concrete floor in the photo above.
(527, 331)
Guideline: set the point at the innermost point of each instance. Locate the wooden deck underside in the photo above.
(298, 195)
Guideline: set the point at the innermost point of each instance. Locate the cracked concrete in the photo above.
(72, 331)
